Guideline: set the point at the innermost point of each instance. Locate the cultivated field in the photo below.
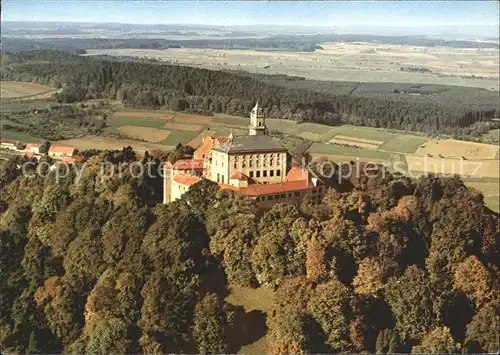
(19, 90)
(364, 62)
(451, 148)
(145, 133)
(183, 126)
(477, 168)
(93, 142)
(490, 189)
(356, 142)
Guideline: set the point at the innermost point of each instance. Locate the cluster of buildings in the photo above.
(255, 165)
(32, 150)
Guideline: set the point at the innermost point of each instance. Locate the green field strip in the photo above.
(22, 106)
(19, 136)
(492, 202)
(124, 110)
(403, 143)
(30, 95)
(117, 121)
(177, 136)
(331, 149)
(234, 120)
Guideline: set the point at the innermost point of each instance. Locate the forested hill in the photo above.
(98, 266)
(205, 91)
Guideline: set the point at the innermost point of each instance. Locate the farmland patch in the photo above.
(20, 90)
(182, 126)
(451, 148)
(356, 142)
(145, 133)
(106, 143)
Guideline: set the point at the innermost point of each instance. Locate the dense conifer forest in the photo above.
(301, 43)
(461, 112)
(383, 264)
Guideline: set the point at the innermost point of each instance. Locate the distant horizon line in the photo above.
(260, 24)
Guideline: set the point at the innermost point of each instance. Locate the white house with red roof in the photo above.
(8, 144)
(60, 151)
(255, 166)
(32, 148)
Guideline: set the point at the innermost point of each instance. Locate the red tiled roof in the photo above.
(74, 159)
(297, 174)
(32, 145)
(186, 180)
(239, 176)
(8, 141)
(207, 145)
(60, 149)
(222, 139)
(188, 164)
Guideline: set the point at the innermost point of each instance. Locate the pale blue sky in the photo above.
(390, 13)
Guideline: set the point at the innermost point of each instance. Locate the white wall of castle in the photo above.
(266, 168)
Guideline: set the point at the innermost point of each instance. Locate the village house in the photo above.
(255, 166)
(8, 144)
(60, 151)
(33, 148)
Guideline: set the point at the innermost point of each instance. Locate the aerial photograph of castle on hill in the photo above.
(257, 177)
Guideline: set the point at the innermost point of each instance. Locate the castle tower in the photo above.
(257, 122)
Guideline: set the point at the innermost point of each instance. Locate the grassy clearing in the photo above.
(253, 300)
(21, 90)
(260, 299)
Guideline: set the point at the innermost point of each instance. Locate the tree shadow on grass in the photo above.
(247, 329)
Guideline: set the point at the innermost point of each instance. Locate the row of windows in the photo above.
(264, 173)
(257, 164)
(315, 199)
(258, 156)
(277, 196)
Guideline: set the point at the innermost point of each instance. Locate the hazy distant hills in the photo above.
(113, 30)
(79, 37)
